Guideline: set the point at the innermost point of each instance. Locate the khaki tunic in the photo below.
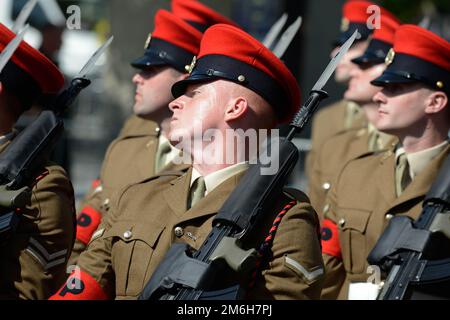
(129, 159)
(327, 123)
(331, 158)
(34, 261)
(362, 201)
(130, 244)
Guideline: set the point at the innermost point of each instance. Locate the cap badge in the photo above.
(147, 42)
(190, 68)
(390, 57)
(440, 84)
(345, 24)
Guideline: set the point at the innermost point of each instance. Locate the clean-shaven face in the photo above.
(401, 107)
(361, 91)
(153, 90)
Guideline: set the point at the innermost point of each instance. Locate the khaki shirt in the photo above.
(332, 157)
(34, 261)
(129, 159)
(362, 202)
(150, 216)
(328, 122)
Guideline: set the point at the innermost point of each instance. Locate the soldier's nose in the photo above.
(175, 104)
(379, 97)
(136, 78)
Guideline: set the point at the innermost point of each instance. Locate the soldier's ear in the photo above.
(236, 108)
(437, 101)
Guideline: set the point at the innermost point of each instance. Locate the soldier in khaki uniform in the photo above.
(339, 149)
(342, 115)
(34, 258)
(236, 83)
(142, 148)
(370, 190)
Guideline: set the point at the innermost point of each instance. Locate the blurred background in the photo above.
(98, 114)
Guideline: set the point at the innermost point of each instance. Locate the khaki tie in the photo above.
(402, 176)
(197, 191)
(161, 156)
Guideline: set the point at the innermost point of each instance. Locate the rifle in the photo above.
(30, 150)
(187, 275)
(416, 253)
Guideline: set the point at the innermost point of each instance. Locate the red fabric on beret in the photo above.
(389, 25)
(423, 44)
(192, 10)
(227, 40)
(356, 11)
(172, 29)
(30, 60)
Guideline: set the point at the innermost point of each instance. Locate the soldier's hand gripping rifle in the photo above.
(30, 150)
(188, 275)
(417, 253)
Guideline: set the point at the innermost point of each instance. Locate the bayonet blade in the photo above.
(53, 12)
(287, 38)
(8, 52)
(334, 63)
(23, 16)
(274, 31)
(93, 60)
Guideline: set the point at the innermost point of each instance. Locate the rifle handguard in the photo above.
(400, 235)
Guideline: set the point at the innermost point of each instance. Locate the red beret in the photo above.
(381, 41)
(356, 15)
(418, 55)
(173, 42)
(198, 14)
(423, 44)
(229, 53)
(388, 26)
(46, 75)
(356, 11)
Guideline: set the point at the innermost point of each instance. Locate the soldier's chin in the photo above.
(380, 125)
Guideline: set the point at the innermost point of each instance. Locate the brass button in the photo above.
(341, 222)
(179, 232)
(389, 216)
(127, 235)
(326, 208)
(326, 186)
(106, 202)
(158, 130)
(241, 78)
